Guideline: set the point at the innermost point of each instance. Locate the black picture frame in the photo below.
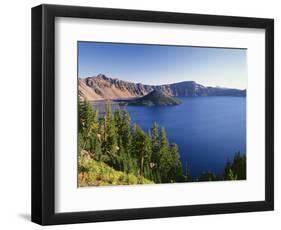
(43, 114)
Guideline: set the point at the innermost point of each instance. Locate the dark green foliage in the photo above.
(155, 154)
(125, 130)
(236, 169)
(229, 175)
(165, 165)
(165, 157)
(110, 143)
(233, 170)
(175, 172)
(155, 98)
(141, 149)
(112, 139)
(88, 127)
(207, 176)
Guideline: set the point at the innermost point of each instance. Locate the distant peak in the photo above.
(156, 92)
(102, 76)
(190, 82)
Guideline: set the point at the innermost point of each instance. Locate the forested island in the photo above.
(155, 98)
(113, 151)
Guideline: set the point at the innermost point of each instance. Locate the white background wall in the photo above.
(15, 114)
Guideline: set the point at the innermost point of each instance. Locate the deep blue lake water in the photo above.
(208, 130)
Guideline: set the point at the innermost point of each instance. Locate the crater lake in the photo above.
(208, 130)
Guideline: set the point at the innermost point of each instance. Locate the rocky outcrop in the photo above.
(102, 87)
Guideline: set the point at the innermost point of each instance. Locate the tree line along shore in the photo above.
(113, 151)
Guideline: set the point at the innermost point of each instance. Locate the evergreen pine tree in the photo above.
(155, 156)
(111, 139)
(140, 148)
(230, 175)
(165, 157)
(125, 130)
(118, 122)
(88, 126)
(175, 173)
(237, 167)
(110, 147)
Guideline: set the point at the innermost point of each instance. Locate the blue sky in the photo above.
(158, 64)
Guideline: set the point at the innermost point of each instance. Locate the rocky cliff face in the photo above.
(102, 87)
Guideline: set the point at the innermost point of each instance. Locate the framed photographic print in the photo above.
(141, 114)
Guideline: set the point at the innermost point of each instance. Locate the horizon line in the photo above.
(114, 78)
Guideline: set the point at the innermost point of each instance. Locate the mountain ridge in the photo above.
(101, 87)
